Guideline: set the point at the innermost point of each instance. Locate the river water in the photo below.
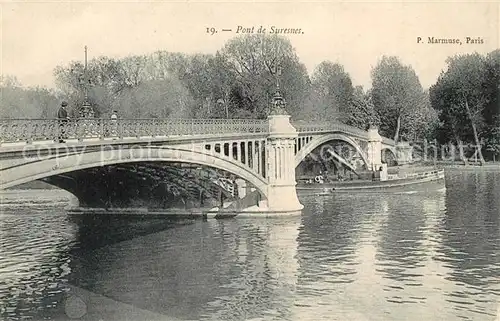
(431, 253)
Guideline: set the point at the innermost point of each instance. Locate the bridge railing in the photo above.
(303, 126)
(317, 127)
(388, 141)
(29, 130)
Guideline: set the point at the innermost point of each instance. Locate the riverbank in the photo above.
(458, 164)
(485, 166)
(477, 169)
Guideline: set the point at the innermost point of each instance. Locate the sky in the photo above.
(37, 36)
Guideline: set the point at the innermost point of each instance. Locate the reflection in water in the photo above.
(470, 243)
(350, 256)
(222, 270)
(333, 253)
(34, 256)
(400, 249)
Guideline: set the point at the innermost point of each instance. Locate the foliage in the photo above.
(19, 102)
(333, 90)
(462, 81)
(239, 81)
(253, 62)
(399, 99)
(361, 112)
(154, 99)
(132, 85)
(467, 98)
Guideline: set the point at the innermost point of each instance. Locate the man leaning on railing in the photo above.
(62, 115)
(114, 124)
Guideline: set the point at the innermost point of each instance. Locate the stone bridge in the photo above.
(262, 153)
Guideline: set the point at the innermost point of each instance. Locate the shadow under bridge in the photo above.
(154, 185)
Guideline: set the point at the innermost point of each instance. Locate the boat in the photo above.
(392, 181)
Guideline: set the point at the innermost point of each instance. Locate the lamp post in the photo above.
(278, 104)
(86, 110)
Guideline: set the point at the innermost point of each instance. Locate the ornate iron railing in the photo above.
(303, 126)
(29, 130)
(388, 141)
(318, 127)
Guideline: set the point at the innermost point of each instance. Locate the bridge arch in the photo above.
(72, 162)
(302, 154)
(391, 150)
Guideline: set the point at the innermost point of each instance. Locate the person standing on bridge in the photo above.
(114, 124)
(62, 115)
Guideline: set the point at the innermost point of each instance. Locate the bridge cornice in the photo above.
(128, 141)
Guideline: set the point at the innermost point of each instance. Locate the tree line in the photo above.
(239, 80)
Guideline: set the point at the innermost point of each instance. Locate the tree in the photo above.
(333, 88)
(464, 95)
(131, 85)
(9, 81)
(237, 81)
(222, 81)
(21, 102)
(103, 80)
(398, 98)
(207, 79)
(492, 91)
(254, 61)
(166, 98)
(361, 112)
